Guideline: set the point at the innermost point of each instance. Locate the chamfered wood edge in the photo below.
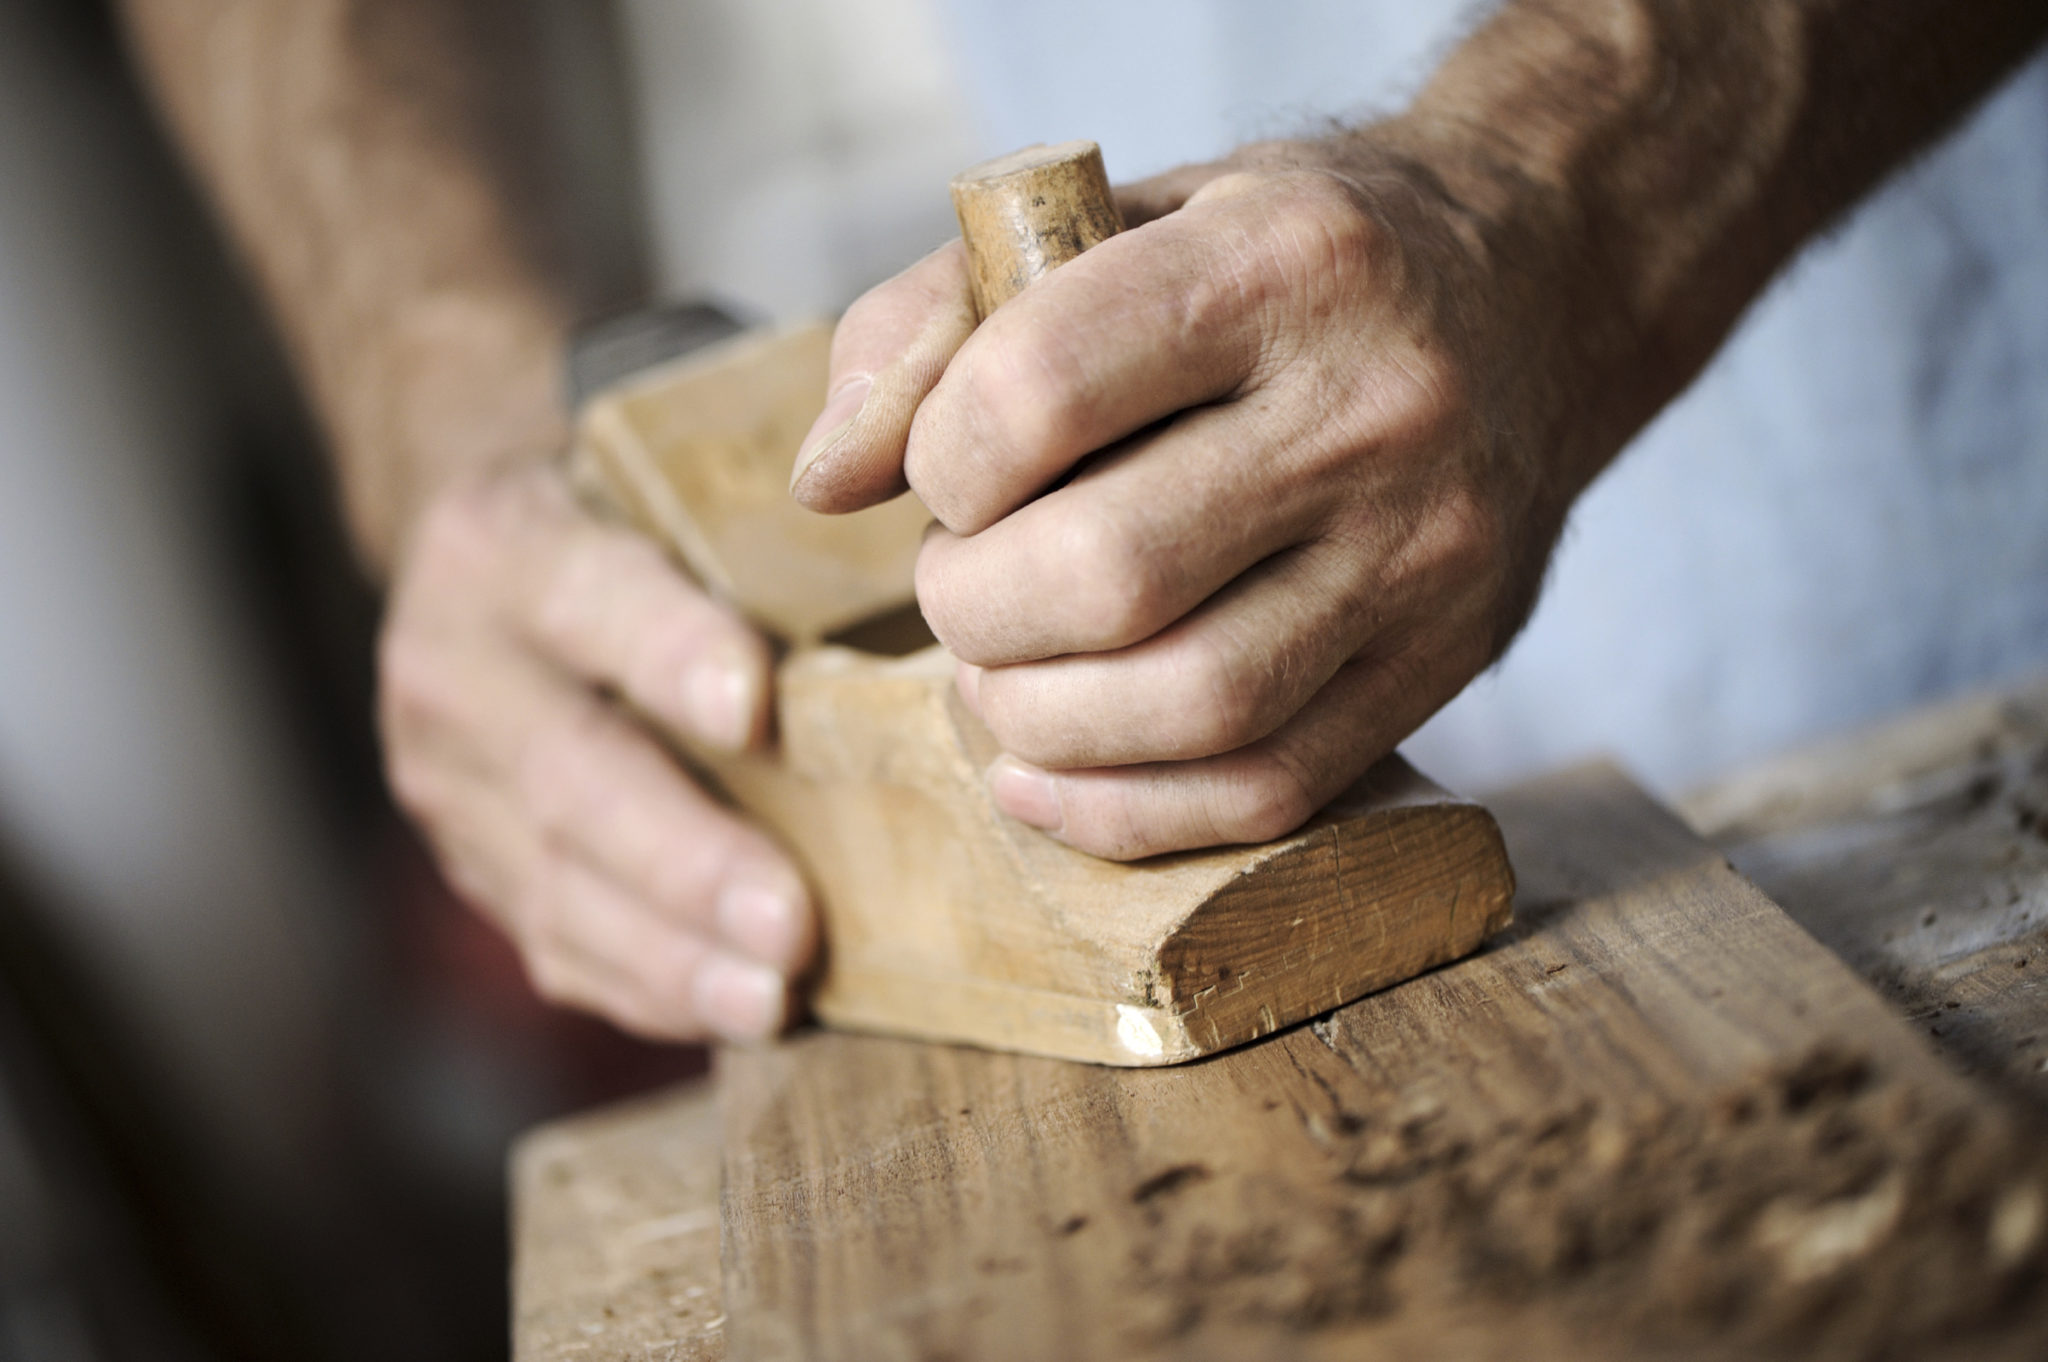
(1176, 1012)
(1431, 882)
(617, 467)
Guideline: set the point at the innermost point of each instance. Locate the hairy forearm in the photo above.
(375, 162)
(1658, 160)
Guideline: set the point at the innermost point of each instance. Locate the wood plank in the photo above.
(1655, 1117)
(945, 919)
(1918, 852)
(615, 1235)
(1895, 765)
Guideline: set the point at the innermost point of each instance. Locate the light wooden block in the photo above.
(943, 918)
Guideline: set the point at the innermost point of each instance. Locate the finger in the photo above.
(1224, 677)
(660, 980)
(494, 859)
(461, 722)
(1182, 311)
(1254, 794)
(1169, 191)
(888, 351)
(571, 982)
(1138, 540)
(1143, 200)
(588, 944)
(602, 792)
(606, 605)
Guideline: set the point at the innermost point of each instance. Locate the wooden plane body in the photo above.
(942, 917)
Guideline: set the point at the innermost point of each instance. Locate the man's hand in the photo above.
(1232, 502)
(518, 625)
(1228, 505)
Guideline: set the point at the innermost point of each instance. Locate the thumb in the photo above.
(887, 353)
(1143, 201)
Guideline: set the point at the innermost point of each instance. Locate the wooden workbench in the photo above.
(1656, 1118)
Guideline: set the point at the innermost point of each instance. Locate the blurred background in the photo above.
(259, 1069)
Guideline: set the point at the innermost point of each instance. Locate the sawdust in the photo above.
(1817, 1212)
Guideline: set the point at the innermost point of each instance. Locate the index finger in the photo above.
(887, 353)
(604, 605)
(1180, 312)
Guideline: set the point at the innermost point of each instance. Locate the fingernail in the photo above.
(967, 680)
(719, 698)
(842, 409)
(738, 999)
(767, 921)
(1025, 793)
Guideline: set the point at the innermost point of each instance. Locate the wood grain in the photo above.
(1655, 1118)
(946, 919)
(1918, 852)
(615, 1235)
(697, 453)
(1025, 214)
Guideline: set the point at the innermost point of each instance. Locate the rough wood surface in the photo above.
(1918, 852)
(664, 1148)
(1655, 1118)
(946, 919)
(615, 1235)
(1027, 213)
(697, 453)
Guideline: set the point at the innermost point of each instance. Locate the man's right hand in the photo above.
(517, 625)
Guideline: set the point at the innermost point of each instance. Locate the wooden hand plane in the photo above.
(942, 918)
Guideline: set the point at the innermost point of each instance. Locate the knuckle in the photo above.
(587, 569)
(1117, 593)
(413, 784)
(535, 927)
(1026, 719)
(1422, 396)
(1116, 828)
(932, 582)
(936, 282)
(671, 972)
(879, 317)
(543, 921)
(458, 537)
(1301, 249)
(550, 979)
(1323, 237)
(1471, 536)
(873, 309)
(685, 878)
(1216, 703)
(652, 655)
(412, 681)
(1271, 797)
(1336, 221)
(554, 770)
(472, 882)
(1027, 397)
